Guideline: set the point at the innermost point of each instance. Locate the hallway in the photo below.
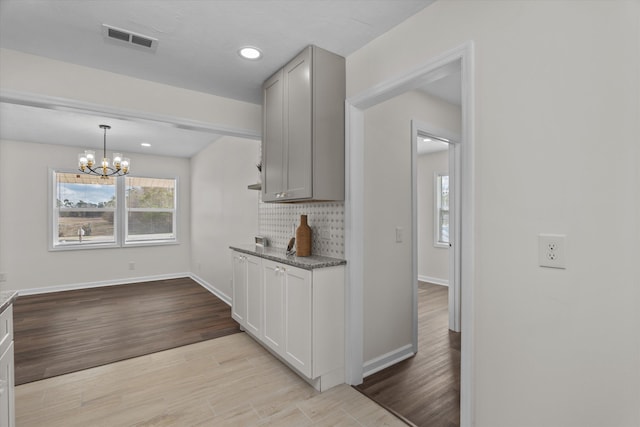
(424, 389)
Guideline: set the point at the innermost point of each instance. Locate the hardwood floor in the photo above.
(229, 381)
(426, 388)
(62, 332)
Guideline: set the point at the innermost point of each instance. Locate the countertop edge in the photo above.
(6, 299)
(307, 263)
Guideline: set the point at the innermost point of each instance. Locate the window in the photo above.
(94, 212)
(151, 209)
(84, 211)
(442, 211)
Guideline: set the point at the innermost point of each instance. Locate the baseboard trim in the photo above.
(434, 280)
(88, 285)
(379, 363)
(208, 286)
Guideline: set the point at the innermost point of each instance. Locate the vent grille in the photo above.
(129, 37)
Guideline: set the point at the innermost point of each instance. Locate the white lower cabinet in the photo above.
(302, 316)
(247, 292)
(287, 313)
(273, 306)
(7, 405)
(239, 289)
(254, 296)
(7, 415)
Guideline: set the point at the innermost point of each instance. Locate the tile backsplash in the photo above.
(278, 221)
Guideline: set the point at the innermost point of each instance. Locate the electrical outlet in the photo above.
(552, 250)
(132, 265)
(325, 233)
(3, 277)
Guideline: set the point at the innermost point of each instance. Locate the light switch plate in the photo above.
(399, 236)
(552, 250)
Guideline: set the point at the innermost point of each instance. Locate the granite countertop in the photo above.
(279, 255)
(7, 298)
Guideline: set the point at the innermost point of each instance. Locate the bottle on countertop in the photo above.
(303, 238)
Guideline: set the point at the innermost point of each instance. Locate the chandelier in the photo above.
(87, 161)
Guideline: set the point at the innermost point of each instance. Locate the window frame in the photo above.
(120, 216)
(437, 193)
(126, 210)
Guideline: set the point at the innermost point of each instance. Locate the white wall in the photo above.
(223, 211)
(556, 133)
(24, 73)
(433, 262)
(24, 261)
(24, 224)
(388, 281)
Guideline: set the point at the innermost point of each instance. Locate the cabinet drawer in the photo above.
(6, 329)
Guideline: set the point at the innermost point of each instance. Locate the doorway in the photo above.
(457, 59)
(435, 211)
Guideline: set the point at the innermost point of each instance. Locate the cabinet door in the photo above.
(254, 296)
(7, 405)
(273, 144)
(298, 319)
(273, 297)
(297, 127)
(239, 291)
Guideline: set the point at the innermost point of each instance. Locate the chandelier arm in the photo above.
(112, 171)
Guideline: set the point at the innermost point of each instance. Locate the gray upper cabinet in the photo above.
(303, 129)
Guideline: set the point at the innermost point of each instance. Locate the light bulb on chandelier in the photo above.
(87, 161)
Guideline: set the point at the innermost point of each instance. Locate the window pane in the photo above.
(150, 225)
(84, 191)
(444, 192)
(444, 226)
(150, 205)
(150, 193)
(79, 227)
(442, 209)
(84, 211)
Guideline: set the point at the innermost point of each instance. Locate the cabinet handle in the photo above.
(3, 385)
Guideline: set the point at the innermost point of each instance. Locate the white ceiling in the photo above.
(197, 49)
(428, 145)
(41, 125)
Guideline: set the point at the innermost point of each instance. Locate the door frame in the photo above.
(355, 106)
(454, 166)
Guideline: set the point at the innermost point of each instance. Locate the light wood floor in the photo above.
(424, 389)
(228, 381)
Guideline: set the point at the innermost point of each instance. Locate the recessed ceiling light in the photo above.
(250, 52)
(145, 144)
(427, 139)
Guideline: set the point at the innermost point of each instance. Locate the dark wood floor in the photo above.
(426, 388)
(62, 332)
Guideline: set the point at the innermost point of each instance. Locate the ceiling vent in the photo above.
(130, 38)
